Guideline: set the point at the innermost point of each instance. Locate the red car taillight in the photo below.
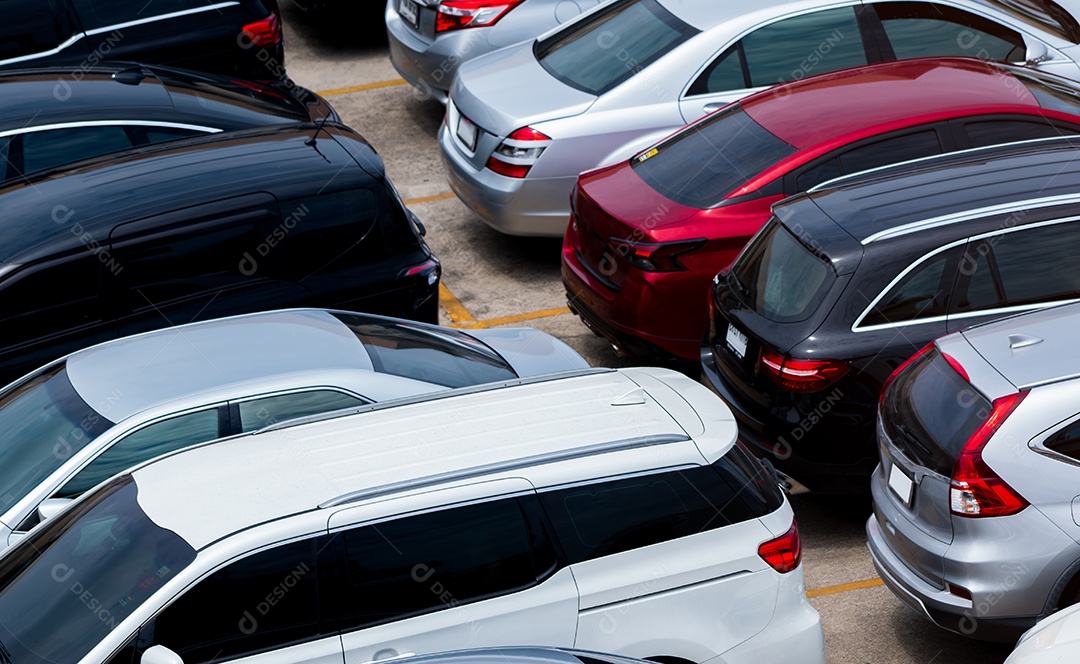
(655, 256)
(976, 490)
(783, 553)
(907, 363)
(266, 32)
(458, 14)
(516, 155)
(802, 375)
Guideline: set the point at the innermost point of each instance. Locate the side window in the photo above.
(610, 517)
(6, 171)
(265, 601)
(98, 13)
(259, 413)
(725, 73)
(815, 175)
(31, 26)
(1034, 264)
(42, 150)
(978, 285)
(995, 132)
(478, 551)
(922, 293)
(890, 151)
(148, 135)
(1066, 441)
(924, 29)
(54, 297)
(803, 46)
(146, 443)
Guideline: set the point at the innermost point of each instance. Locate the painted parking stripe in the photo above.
(360, 88)
(844, 587)
(459, 315)
(430, 199)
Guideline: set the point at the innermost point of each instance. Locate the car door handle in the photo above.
(715, 106)
(390, 659)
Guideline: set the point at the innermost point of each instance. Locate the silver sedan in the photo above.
(524, 121)
(429, 39)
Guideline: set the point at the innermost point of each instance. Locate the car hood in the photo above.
(531, 352)
(509, 89)
(1055, 639)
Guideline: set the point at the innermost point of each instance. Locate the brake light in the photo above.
(783, 553)
(802, 375)
(266, 32)
(957, 367)
(459, 14)
(904, 365)
(430, 267)
(976, 490)
(516, 155)
(655, 256)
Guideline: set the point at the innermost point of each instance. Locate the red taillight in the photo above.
(458, 14)
(957, 367)
(802, 375)
(655, 256)
(783, 553)
(266, 32)
(516, 155)
(976, 490)
(907, 363)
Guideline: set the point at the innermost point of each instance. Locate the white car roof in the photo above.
(255, 479)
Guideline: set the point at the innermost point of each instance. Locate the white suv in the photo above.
(601, 509)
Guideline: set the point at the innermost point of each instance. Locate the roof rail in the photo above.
(504, 466)
(431, 396)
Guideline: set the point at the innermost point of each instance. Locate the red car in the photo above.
(647, 235)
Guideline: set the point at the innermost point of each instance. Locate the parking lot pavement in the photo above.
(491, 280)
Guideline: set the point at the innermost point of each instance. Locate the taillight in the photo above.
(655, 256)
(976, 490)
(430, 267)
(783, 553)
(802, 375)
(907, 363)
(458, 14)
(266, 32)
(516, 155)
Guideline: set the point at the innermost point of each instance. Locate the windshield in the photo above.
(607, 48)
(780, 277)
(930, 412)
(1043, 14)
(73, 580)
(701, 165)
(449, 358)
(44, 422)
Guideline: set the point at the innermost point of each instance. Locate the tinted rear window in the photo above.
(1043, 14)
(700, 166)
(1050, 91)
(930, 412)
(448, 358)
(780, 278)
(596, 54)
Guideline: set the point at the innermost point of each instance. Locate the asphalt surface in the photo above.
(492, 279)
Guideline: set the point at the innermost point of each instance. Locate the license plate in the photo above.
(736, 341)
(409, 12)
(901, 484)
(466, 132)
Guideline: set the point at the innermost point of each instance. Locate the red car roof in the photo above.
(850, 100)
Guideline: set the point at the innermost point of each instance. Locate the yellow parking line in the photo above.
(459, 315)
(430, 199)
(844, 587)
(519, 318)
(360, 88)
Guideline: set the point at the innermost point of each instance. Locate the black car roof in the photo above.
(74, 206)
(936, 191)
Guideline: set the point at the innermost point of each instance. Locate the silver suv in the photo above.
(976, 504)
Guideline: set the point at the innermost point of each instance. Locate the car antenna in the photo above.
(314, 142)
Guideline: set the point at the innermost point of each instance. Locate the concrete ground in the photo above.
(492, 279)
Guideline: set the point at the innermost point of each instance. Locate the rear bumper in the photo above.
(532, 207)
(430, 66)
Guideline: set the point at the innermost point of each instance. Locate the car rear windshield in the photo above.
(81, 574)
(780, 277)
(45, 422)
(607, 48)
(701, 165)
(1043, 14)
(1051, 92)
(448, 358)
(930, 412)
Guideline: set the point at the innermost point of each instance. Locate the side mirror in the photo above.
(50, 507)
(1037, 53)
(160, 655)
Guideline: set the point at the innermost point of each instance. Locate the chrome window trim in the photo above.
(966, 314)
(109, 123)
(117, 26)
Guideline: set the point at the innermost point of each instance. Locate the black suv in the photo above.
(50, 117)
(234, 37)
(198, 228)
(846, 282)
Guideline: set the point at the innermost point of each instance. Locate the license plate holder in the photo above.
(901, 484)
(409, 12)
(467, 133)
(736, 341)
